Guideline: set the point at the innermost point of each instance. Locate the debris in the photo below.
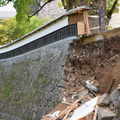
(104, 113)
(111, 106)
(88, 89)
(68, 110)
(105, 98)
(110, 88)
(55, 114)
(84, 110)
(88, 117)
(118, 87)
(82, 92)
(114, 97)
(118, 111)
(85, 107)
(61, 107)
(91, 86)
(96, 112)
(64, 99)
(103, 101)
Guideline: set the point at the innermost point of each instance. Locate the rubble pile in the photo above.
(91, 81)
(88, 104)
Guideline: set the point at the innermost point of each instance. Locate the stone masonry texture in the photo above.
(30, 84)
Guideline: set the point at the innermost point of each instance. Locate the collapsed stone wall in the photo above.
(30, 84)
(95, 57)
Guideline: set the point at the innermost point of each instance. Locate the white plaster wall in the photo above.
(48, 29)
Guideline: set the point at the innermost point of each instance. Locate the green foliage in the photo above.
(23, 9)
(110, 4)
(60, 4)
(110, 27)
(11, 30)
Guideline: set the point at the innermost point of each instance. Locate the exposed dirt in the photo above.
(98, 60)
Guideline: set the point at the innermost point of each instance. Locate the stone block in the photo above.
(104, 113)
(115, 97)
(118, 111)
(104, 100)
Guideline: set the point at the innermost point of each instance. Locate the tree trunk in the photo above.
(71, 4)
(88, 3)
(112, 10)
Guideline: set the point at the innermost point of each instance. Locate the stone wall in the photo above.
(30, 84)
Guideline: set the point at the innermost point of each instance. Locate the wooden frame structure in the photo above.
(81, 18)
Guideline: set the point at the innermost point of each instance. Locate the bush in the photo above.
(10, 30)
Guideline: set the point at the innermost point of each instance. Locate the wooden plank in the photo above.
(89, 117)
(95, 115)
(86, 22)
(74, 18)
(93, 16)
(84, 11)
(72, 107)
(68, 110)
(62, 106)
(62, 113)
(81, 28)
(94, 28)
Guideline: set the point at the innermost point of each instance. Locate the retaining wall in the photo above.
(30, 84)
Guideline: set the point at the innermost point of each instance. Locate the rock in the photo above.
(95, 83)
(68, 64)
(104, 113)
(118, 87)
(118, 110)
(112, 59)
(118, 114)
(115, 97)
(104, 100)
(111, 106)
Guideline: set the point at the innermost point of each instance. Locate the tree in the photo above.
(24, 7)
(10, 30)
(109, 6)
(112, 7)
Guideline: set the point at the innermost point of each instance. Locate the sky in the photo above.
(8, 7)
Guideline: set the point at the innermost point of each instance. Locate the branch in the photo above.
(40, 8)
(38, 3)
(6, 3)
(112, 10)
(63, 4)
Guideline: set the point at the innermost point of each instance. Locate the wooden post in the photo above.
(86, 22)
(101, 19)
